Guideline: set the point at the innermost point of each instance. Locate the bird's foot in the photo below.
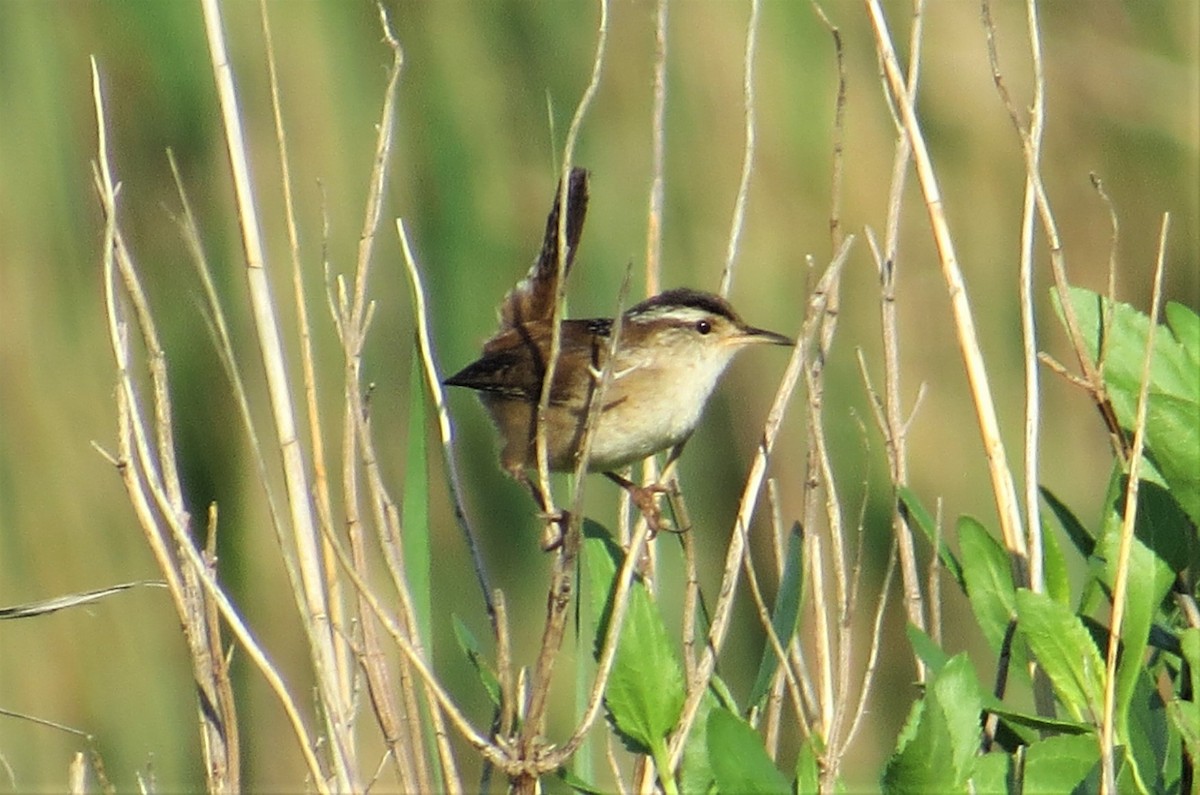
(555, 529)
(646, 500)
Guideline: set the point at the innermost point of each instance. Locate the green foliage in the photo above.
(784, 616)
(915, 513)
(1057, 629)
(414, 511)
(1173, 410)
(987, 572)
(739, 762)
(1065, 651)
(646, 688)
(937, 748)
(470, 649)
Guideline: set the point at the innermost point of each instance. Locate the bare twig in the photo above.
(1003, 488)
(313, 601)
(1108, 739)
(564, 562)
(750, 119)
(658, 138)
(1058, 270)
(887, 263)
(144, 471)
(698, 683)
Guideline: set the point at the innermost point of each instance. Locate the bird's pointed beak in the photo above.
(757, 336)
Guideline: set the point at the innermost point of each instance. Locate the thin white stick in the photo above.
(1121, 581)
(1033, 526)
(133, 430)
(751, 123)
(1003, 488)
(739, 537)
(312, 602)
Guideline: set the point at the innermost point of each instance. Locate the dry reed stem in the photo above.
(1003, 488)
(698, 683)
(835, 683)
(893, 426)
(764, 619)
(654, 222)
(691, 587)
(750, 124)
(823, 715)
(316, 437)
(1035, 199)
(658, 149)
(437, 394)
(1033, 525)
(581, 109)
(873, 654)
(313, 604)
(218, 719)
(490, 752)
(558, 601)
(142, 478)
(355, 313)
(1108, 778)
(1092, 372)
(838, 160)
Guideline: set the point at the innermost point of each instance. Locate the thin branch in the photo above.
(658, 139)
(1033, 525)
(1058, 270)
(698, 684)
(750, 124)
(585, 103)
(445, 428)
(313, 602)
(1125, 550)
(194, 605)
(1003, 488)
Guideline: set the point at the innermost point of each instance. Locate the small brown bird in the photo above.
(672, 350)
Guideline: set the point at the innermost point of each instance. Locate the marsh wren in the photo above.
(672, 349)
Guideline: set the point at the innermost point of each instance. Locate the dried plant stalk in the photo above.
(313, 600)
(1003, 488)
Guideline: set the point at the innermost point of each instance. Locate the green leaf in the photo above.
(1149, 743)
(1125, 348)
(646, 689)
(1185, 325)
(1059, 764)
(784, 614)
(930, 653)
(470, 648)
(808, 771)
(1148, 584)
(578, 784)
(414, 508)
(1036, 722)
(1080, 537)
(938, 745)
(695, 768)
(739, 762)
(988, 574)
(1065, 651)
(1173, 411)
(913, 512)
(990, 776)
(1173, 438)
(1185, 716)
(1058, 584)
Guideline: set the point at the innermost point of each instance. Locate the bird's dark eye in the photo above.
(703, 326)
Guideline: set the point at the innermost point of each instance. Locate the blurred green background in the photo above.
(486, 96)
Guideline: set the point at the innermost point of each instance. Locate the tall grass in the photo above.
(353, 613)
